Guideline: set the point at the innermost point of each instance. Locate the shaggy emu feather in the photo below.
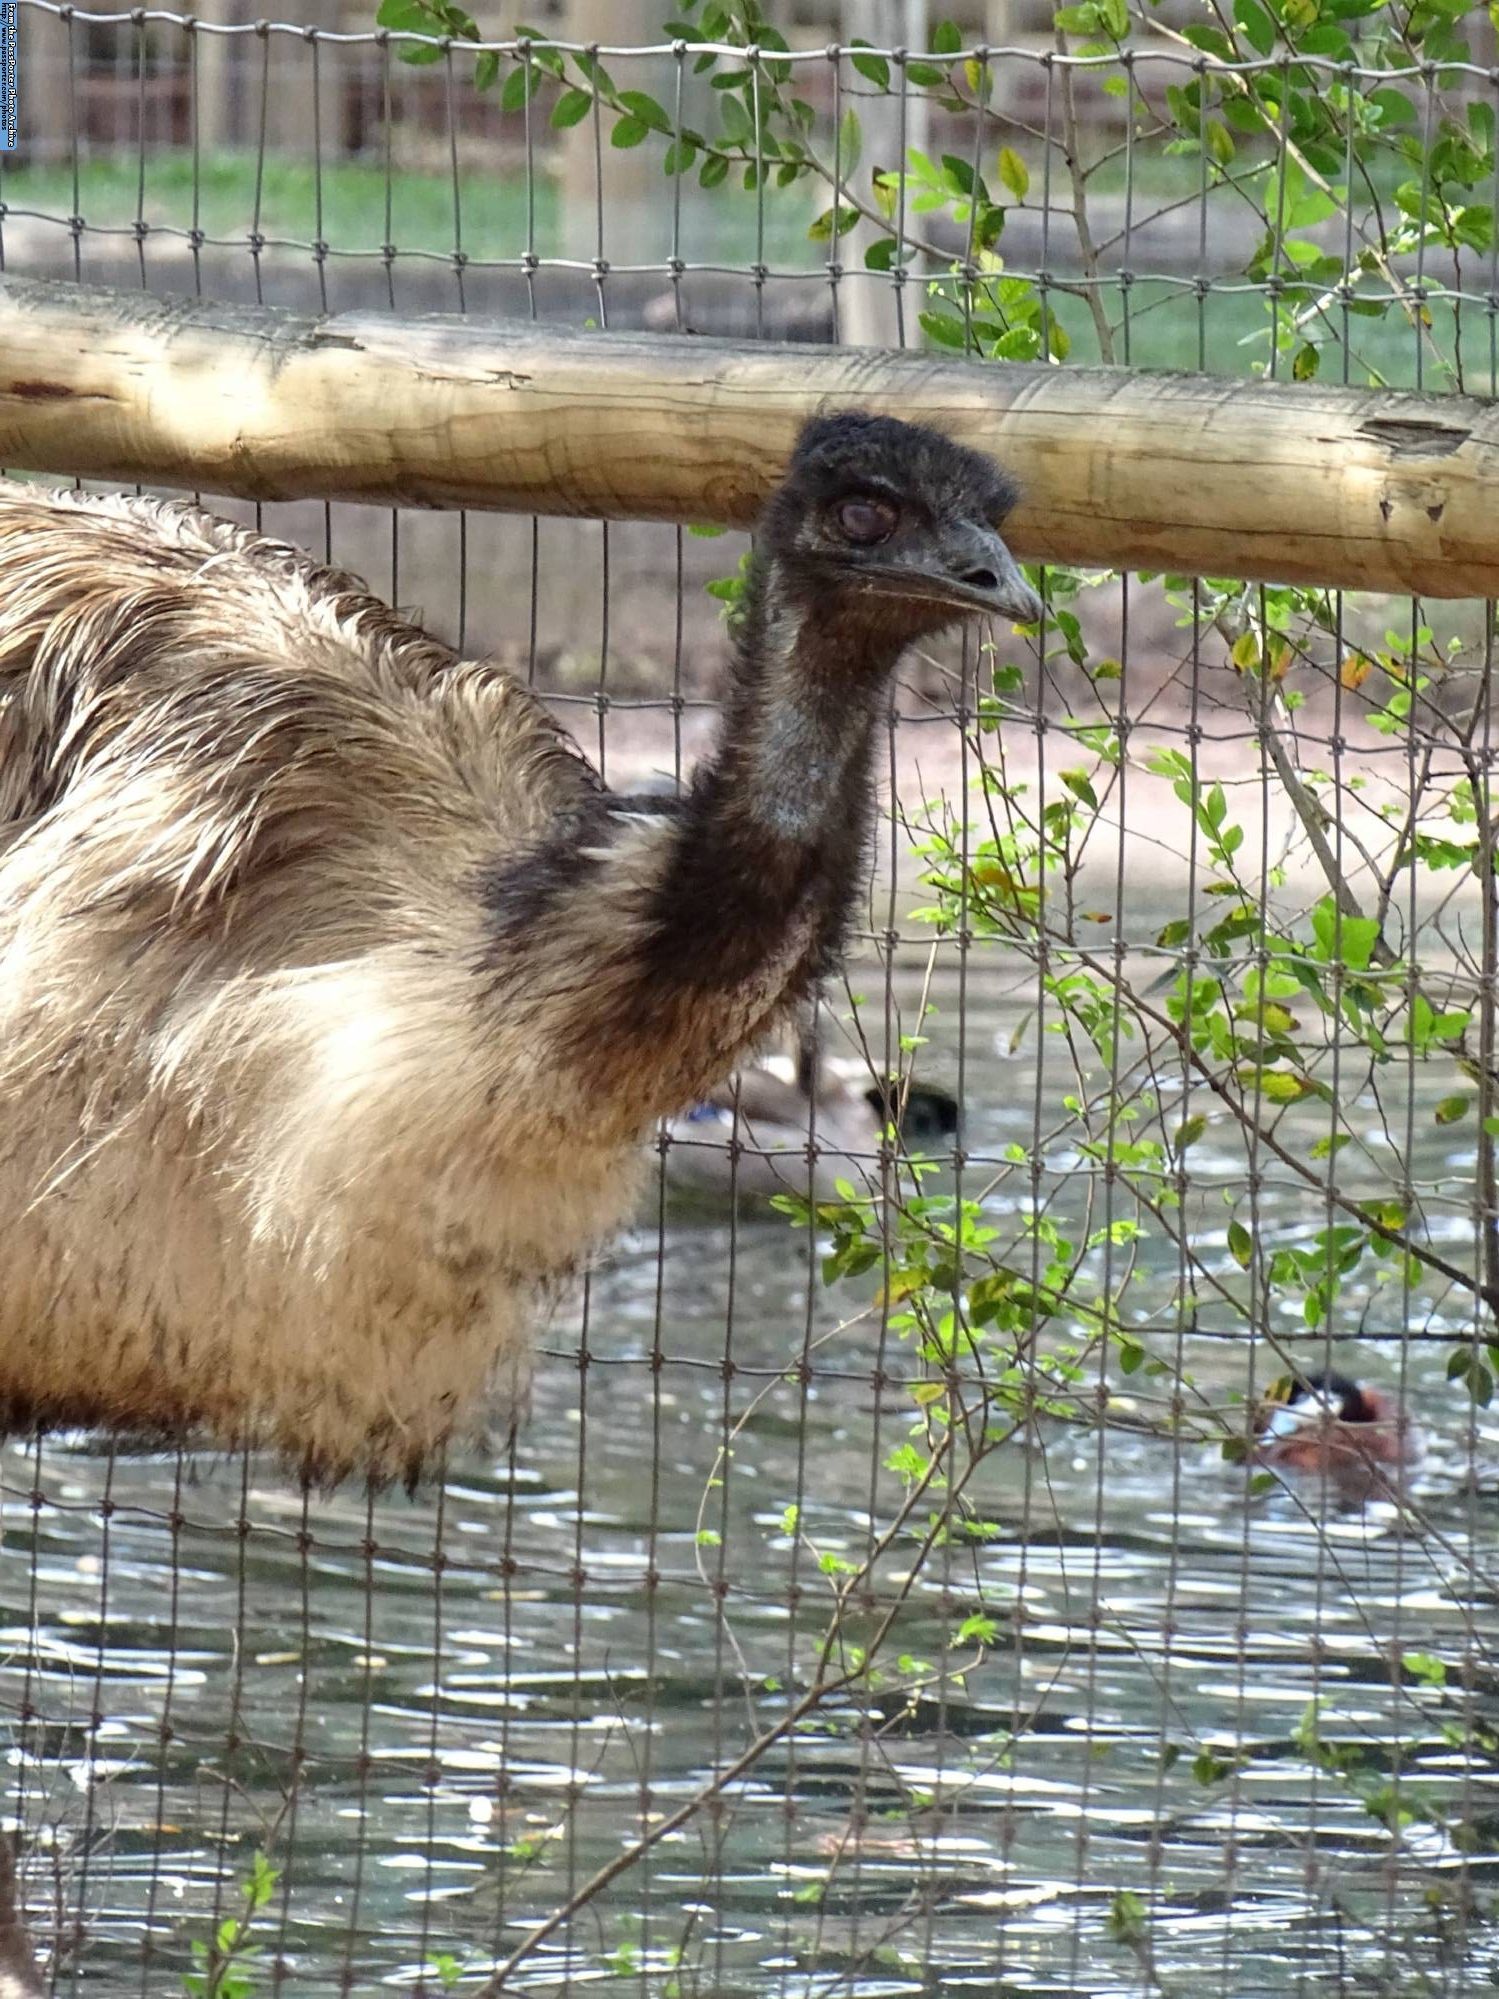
(336, 992)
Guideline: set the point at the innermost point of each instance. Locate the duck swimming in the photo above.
(1328, 1426)
(777, 1106)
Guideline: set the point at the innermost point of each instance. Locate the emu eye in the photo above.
(867, 521)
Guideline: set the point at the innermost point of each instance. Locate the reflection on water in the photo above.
(441, 1716)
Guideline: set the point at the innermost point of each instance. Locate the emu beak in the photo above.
(980, 574)
(970, 570)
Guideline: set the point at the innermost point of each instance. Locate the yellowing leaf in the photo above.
(1014, 172)
(1246, 652)
(1281, 1087)
(1450, 1109)
(994, 874)
(1275, 1019)
(902, 1284)
(1355, 670)
(1280, 661)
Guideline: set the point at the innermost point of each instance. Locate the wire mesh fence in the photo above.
(900, 1584)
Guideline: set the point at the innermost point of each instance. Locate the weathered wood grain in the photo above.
(1367, 489)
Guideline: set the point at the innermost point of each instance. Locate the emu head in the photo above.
(897, 519)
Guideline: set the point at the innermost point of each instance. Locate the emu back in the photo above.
(277, 1160)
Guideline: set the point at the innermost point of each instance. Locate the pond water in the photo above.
(439, 1716)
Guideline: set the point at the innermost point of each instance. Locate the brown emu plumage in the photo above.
(336, 992)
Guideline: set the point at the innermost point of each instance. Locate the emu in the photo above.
(336, 991)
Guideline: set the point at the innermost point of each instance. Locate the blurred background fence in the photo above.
(914, 1565)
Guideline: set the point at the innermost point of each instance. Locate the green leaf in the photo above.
(629, 132)
(1306, 363)
(1013, 172)
(873, 68)
(1128, 1919)
(1212, 41)
(841, 219)
(715, 169)
(947, 38)
(1395, 107)
(262, 1882)
(1450, 1109)
(976, 1629)
(1189, 1131)
(737, 125)
(959, 173)
(850, 145)
(1240, 1245)
(409, 17)
(1351, 939)
(1255, 25)
(571, 108)
(945, 329)
(1210, 1769)
(646, 109)
(595, 71)
(1464, 1366)
(1021, 343)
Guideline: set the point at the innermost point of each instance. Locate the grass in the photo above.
(1228, 333)
(344, 206)
(500, 215)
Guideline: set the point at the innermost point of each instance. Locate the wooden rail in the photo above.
(1366, 489)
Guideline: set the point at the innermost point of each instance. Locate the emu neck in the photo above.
(653, 948)
(768, 855)
(798, 727)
